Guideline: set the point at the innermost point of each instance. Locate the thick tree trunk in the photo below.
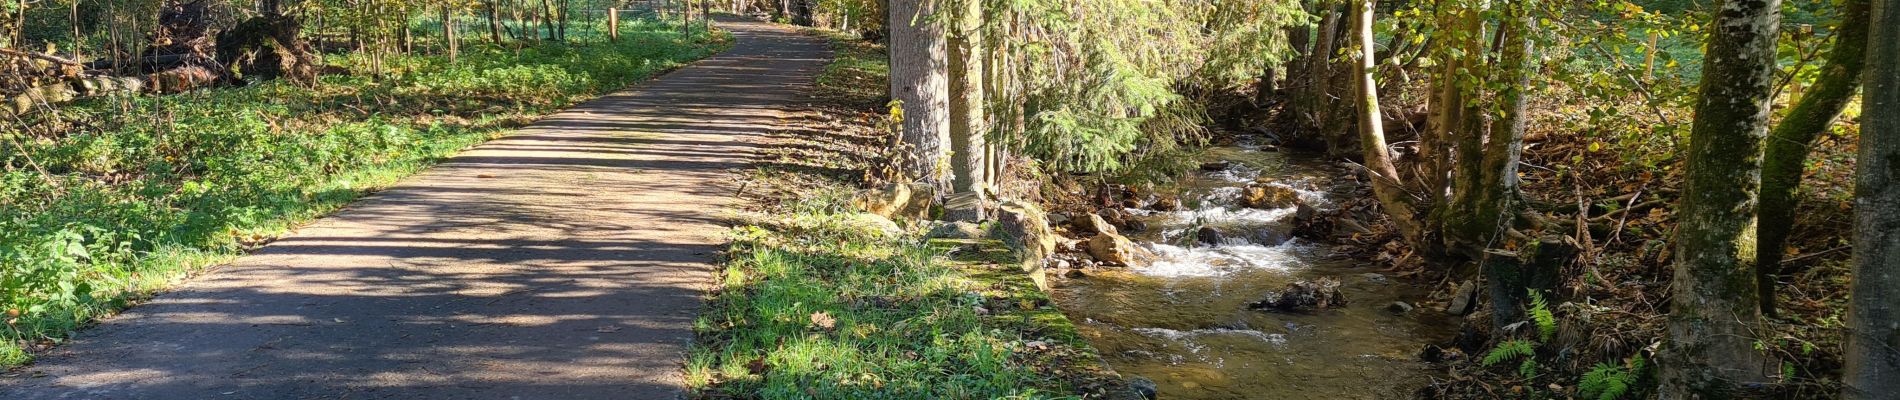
(920, 81)
(1714, 318)
(1385, 176)
(1873, 316)
(969, 157)
(1787, 154)
(1487, 158)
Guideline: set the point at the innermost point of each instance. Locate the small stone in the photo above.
(1144, 387)
(1073, 274)
(1267, 197)
(1216, 166)
(1399, 307)
(1463, 299)
(1374, 278)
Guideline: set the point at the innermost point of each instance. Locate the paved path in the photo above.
(564, 262)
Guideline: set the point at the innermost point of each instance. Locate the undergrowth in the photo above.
(105, 201)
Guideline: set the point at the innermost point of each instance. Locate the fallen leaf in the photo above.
(823, 321)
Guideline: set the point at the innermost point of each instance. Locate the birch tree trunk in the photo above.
(1873, 314)
(920, 81)
(1787, 154)
(1714, 316)
(1385, 176)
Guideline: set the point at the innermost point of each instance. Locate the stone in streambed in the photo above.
(1304, 296)
(1210, 236)
(1094, 224)
(1114, 249)
(1268, 197)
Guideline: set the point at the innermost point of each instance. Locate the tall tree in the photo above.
(1714, 315)
(1385, 175)
(1873, 341)
(1787, 155)
(969, 156)
(920, 82)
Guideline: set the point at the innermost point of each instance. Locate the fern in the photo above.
(1509, 350)
(1610, 382)
(1540, 312)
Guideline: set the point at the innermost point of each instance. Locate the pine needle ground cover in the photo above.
(106, 201)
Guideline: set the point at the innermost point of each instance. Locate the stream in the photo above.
(1184, 320)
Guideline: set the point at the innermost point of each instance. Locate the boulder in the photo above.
(907, 200)
(1216, 165)
(1111, 248)
(964, 206)
(874, 225)
(1144, 387)
(1209, 235)
(1270, 197)
(1166, 203)
(1399, 307)
(1024, 226)
(1093, 224)
(1304, 296)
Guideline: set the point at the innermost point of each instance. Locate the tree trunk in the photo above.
(1385, 176)
(494, 22)
(448, 31)
(547, 18)
(1873, 340)
(920, 81)
(1787, 155)
(613, 24)
(1714, 317)
(968, 121)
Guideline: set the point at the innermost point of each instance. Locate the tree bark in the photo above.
(968, 121)
(448, 31)
(920, 82)
(1714, 316)
(1385, 176)
(1787, 155)
(613, 23)
(494, 22)
(1873, 341)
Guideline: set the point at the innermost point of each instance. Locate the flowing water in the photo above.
(1184, 323)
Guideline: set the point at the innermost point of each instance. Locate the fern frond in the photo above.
(1509, 350)
(1540, 313)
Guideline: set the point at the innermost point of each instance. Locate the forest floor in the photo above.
(566, 260)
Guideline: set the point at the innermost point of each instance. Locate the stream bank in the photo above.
(1181, 311)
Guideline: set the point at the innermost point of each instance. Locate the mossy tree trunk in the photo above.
(1714, 317)
(1386, 184)
(1873, 315)
(1786, 158)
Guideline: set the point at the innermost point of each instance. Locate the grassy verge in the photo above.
(817, 301)
(106, 201)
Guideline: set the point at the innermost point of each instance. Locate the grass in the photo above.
(106, 201)
(815, 301)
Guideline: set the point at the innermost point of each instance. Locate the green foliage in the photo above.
(818, 304)
(1541, 315)
(1610, 382)
(1509, 350)
(111, 198)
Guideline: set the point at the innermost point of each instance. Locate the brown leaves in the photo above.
(823, 321)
